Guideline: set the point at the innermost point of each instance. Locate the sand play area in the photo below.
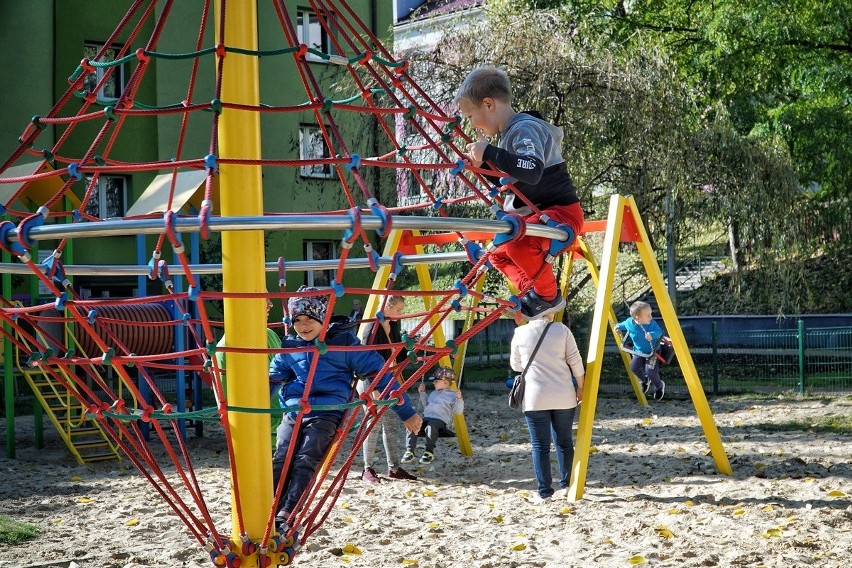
(653, 498)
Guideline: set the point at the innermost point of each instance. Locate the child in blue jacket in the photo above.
(332, 384)
(645, 334)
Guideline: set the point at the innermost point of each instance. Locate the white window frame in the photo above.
(311, 275)
(90, 49)
(312, 147)
(308, 27)
(100, 196)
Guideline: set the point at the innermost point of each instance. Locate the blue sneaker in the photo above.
(532, 306)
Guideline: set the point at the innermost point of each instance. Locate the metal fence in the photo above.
(806, 361)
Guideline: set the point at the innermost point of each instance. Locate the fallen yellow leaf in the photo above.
(770, 533)
(428, 493)
(635, 560)
(497, 519)
(738, 512)
(132, 522)
(76, 478)
(647, 422)
(674, 512)
(689, 503)
(409, 562)
(350, 548)
(85, 500)
(344, 505)
(347, 519)
(565, 511)
(836, 493)
(520, 546)
(664, 532)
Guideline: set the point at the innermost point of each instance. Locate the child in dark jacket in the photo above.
(332, 384)
(438, 411)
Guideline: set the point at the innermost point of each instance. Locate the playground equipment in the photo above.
(136, 405)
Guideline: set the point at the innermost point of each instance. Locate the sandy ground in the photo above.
(653, 498)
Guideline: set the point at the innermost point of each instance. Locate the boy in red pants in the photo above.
(530, 150)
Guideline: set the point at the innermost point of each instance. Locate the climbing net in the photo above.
(110, 354)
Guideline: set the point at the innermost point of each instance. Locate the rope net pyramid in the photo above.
(118, 383)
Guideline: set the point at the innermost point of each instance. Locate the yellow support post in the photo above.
(687, 365)
(243, 258)
(594, 359)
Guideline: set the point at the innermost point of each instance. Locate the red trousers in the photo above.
(522, 260)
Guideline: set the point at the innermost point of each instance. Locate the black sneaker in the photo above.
(532, 306)
(658, 394)
(646, 384)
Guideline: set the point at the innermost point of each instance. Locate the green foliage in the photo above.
(782, 70)
(15, 532)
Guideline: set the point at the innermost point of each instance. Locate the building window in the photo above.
(312, 147)
(113, 86)
(309, 30)
(109, 199)
(319, 250)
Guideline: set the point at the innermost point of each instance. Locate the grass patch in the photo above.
(14, 532)
(835, 424)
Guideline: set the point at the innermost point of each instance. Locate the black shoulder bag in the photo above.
(516, 395)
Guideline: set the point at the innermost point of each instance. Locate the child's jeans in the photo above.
(647, 369)
(314, 438)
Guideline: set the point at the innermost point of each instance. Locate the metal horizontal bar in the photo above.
(291, 266)
(124, 227)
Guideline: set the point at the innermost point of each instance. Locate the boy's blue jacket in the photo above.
(334, 374)
(637, 335)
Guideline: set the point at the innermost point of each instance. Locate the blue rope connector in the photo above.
(461, 288)
(59, 304)
(74, 171)
(210, 162)
(338, 288)
(192, 293)
(458, 169)
(185, 319)
(354, 161)
(93, 314)
(456, 305)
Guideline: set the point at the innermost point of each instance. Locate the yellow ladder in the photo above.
(83, 436)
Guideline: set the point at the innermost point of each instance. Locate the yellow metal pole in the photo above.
(594, 359)
(243, 258)
(684, 358)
